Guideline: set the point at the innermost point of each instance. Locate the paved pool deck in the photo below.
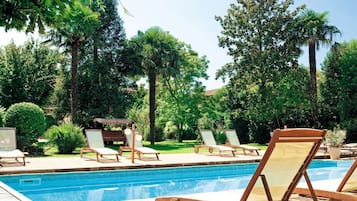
(89, 163)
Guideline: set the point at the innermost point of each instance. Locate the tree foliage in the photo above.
(216, 115)
(102, 69)
(70, 29)
(259, 36)
(314, 30)
(181, 95)
(29, 14)
(340, 88)
(27, 73)
(157, 53)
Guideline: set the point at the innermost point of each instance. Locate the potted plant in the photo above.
(335, 139)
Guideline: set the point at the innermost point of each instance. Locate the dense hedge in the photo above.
(29, 120)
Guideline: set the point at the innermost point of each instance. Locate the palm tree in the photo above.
(315, 31)
(72, 27)
(158, 54)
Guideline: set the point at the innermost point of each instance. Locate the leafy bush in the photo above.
(335, 137)
(29, 120)
(189, 133)
(351, 127)
(2, 116)
(159, 134)
(220, 137)
(50, 121)
(170, 130)
(67, 137)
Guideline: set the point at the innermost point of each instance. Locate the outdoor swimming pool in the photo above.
(150, 183)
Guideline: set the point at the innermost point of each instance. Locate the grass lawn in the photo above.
(164, 147)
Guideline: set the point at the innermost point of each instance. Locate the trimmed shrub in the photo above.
(29, 120)
(67, 137)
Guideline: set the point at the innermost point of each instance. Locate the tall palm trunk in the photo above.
(152, 92)
(74, 85)
(313, 86)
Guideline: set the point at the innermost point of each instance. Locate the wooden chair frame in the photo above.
(287, 136)
(338, 194)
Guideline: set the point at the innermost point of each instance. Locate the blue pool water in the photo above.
(119, 185)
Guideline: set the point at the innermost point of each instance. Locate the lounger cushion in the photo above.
(11, 154)
(223, 148)
(146, 150)
(105, 151)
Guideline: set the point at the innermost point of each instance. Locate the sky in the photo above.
(192, 22)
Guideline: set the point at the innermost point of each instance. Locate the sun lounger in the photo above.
(343, 191)
(285, 161)
(95, 144)
(210, 143)
(233, 141)
(8, 145)
(139, 148)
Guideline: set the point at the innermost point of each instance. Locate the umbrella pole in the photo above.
(132, 142)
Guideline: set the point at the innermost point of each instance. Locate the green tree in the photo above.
(71, 28)
(339, 91)
(157, 52)
(182, 94)
(27, 73)
(102, 70)
(29, 14)
(60, 98)
(258, 37)
(314, 30)
(216, 114)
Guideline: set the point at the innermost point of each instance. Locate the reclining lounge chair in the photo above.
(285, 161)
(210, 143)
(95, 144)
(233, 141)
(8, 145)
(139, 149)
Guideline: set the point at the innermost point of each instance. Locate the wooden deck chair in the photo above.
(346, 190)
(8, 145)
(233, 141)
(95, 144)
(210, 143)
(139, 149)
(285, 161)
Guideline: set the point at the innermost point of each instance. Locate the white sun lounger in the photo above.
(95, 144)
(139, 149)
(233, 141)
(210, 143)
(8, 145)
